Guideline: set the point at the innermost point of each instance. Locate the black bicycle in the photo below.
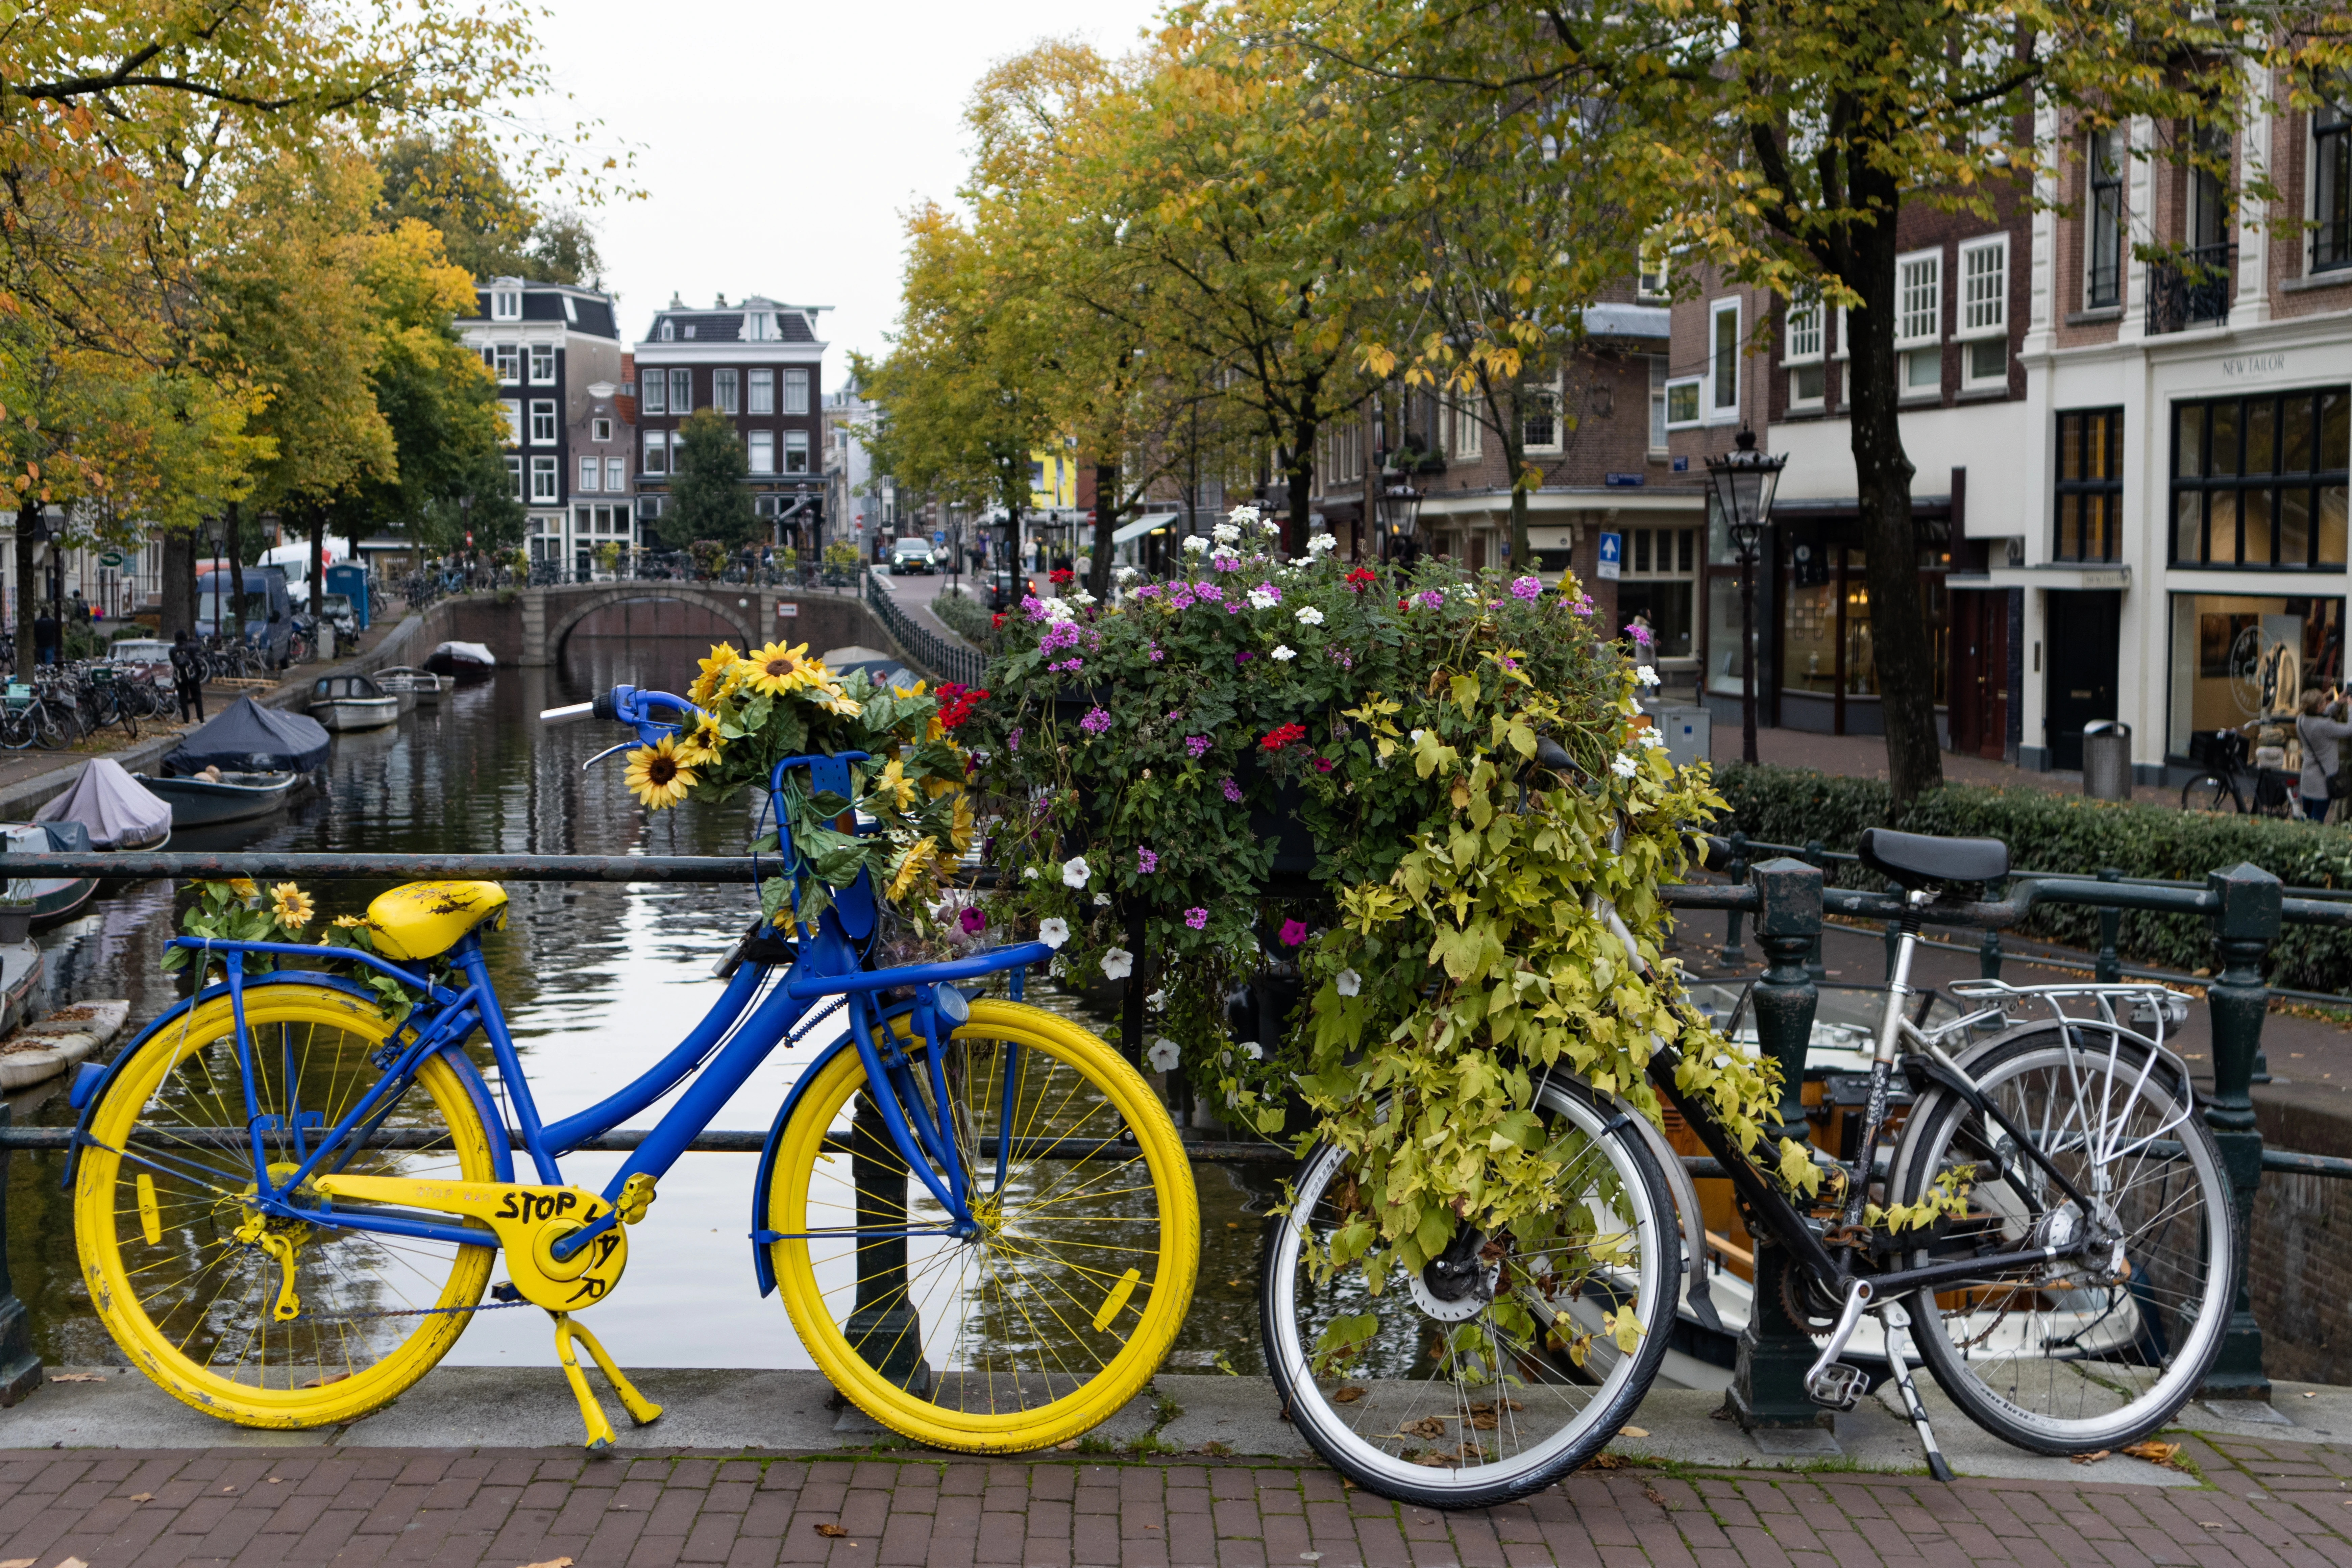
(2231, 782)
(2070, 1294)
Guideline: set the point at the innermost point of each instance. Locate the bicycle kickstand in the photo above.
(642, 1411)
(1894, 1326)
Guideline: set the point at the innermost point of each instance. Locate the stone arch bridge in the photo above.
(531, 627)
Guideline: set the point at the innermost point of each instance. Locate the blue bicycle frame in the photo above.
(742, 1028)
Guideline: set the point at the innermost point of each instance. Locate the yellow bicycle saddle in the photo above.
(419, 919)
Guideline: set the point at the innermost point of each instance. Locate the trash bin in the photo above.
(2106, 759)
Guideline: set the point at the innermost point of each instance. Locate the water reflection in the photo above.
(598, 980)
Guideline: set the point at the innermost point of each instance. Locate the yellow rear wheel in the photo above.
(1059, 1311)
(190, 1280)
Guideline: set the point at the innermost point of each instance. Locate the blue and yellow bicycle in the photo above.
(288, 1205)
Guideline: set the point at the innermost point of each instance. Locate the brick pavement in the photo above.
(2267, 1504)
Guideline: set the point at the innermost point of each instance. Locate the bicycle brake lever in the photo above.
(605, 753)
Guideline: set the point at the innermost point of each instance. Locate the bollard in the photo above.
(1988, 956)
(884, 1328)
(1733, 956)
(1768, 1382)
(20, 1368)
(2110, 967)
(2246, 921)
(1815, 856)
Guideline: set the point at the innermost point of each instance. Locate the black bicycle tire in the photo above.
(1621, 1408)
(1936, 1352)
(2213, 789)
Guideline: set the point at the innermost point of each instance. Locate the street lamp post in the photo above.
(1400, 513)
(1743, 482)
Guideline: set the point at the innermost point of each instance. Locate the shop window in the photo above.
(2089, 507)
(1658, 581)
(2240, 658)
(2260, 483)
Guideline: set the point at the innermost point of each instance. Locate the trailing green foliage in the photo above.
(968, 619)
(2069, 835)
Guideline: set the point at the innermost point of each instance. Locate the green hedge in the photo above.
(967, 617)
(2067, 834)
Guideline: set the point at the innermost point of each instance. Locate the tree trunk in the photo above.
(176, 602)
(29, 514)
(235, 570)
(1298, 476)
(1901, 645)
(1107, 514)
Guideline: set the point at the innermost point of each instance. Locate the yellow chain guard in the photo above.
(528, 1221)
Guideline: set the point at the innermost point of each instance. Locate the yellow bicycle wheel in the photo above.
(1059, 1309)
(193, 1282)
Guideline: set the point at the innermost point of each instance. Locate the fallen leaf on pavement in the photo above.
(73, 1378)
(18, 1561)
(1348, 1396)
(2093, 1457)
(142, 1497)
(832, 1532)
(2157, 1453)
(550, 1562)
(1631, 1432)
(1607, 1462)
(1069, 1447)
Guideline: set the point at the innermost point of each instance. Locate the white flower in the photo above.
(1157, 1000)
(1225, 533)
(1625, 767)
(1282, 654)
(1271, 526)
(1310, 616)
(1259, 599)
(1417, 735)
(1102, 900)
(1077, 596)
(1195, 544)
(1058, 968)
(1075, 871)
(1301, 563)
(1252, 1050)
(1645, 675)
(1117, 964)
(1058, 610)
(1651, 739)
(1322, 543)
(1029, 873)
(1245, 512)
(1466, 590)
(1162, 1055)
(1053, 930)
(1349, 983)
(1126, 574)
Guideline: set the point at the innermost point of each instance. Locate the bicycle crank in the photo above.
(528, 1221)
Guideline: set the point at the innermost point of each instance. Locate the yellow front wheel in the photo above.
(263, 1321)
(1059, 1309)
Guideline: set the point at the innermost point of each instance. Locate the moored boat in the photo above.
(112, 808)
(465, 662)
(421, 686)
(347, 702)
(51, 899)
(215, 795)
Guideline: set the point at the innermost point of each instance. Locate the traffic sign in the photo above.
(1613, 554)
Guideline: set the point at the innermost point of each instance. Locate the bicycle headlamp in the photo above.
(951, 1003)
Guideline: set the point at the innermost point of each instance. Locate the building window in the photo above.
(600, 429)
(1984, 311)
(669, 331)
(542, 364)
(1722, 361)
(2259, 481)
(1651, 283)
(2090, 485)
(513, 411)
(1682, 403)
(543, 422)
(763, 392)
(2103, 276)
(542, 479)
(681, 391)
(1919, 321)
(796, 452)
(1808, 371)
(616, 475)
(723, 385)
(1658, 581)
(2331, 179)
(514, 476)
(656, 400)
(506, 305)
(508, 359)
(657, 452)
(2225, 651)
(591, 470)
(1657, 402)
(764, 451)
(796, 392)
(1539, 418)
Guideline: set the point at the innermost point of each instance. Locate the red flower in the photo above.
(1360, 578)
(1400, 603)
(956, 702)
(996, 620)
(1324, 765)
(1282, 735)
(1057, 576)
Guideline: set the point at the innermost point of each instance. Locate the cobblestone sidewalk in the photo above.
(2285, 1503)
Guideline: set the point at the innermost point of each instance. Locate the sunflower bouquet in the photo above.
(759, 707)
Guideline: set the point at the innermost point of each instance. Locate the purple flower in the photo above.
(1069, 666)
(1146, 861)
(1581, 605)
(1013, 739)
(1243, 657)
(1232, 791)
(1195, 746)
(1158, 653)
(1639, 632)
(1196, 916)
(1096, 721)
(1179, 596)
(1148, 591)
(973, 921)
(1226, 562)
(1207, 594)
(1269, 591)
(1292, 933)
(1429, 599)
(1032, 608)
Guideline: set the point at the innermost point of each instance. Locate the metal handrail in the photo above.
(943, 659)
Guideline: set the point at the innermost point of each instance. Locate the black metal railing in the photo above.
(2194, 293)
(933, 654)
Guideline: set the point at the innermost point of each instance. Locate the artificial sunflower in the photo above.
(960, 833)
(292, 905)
(244, 887)
(717, 671)
(701, 746)
(834, 699)
(776, 669)
(658, 775)
(910, 870)
(354, 923)
(894, 779)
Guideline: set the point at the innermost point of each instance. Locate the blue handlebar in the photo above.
(629, 705)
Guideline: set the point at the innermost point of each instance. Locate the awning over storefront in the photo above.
(1143, 525)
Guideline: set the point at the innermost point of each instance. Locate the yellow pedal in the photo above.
(637, 1196)
(528, 1222)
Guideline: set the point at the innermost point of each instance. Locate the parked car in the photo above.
(1005, 590)
(268, 608)
(911, 555)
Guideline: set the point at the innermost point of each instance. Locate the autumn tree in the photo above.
(488, 227)
(709, 497)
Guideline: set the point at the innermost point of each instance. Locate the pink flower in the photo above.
(1196, 916)
(1324, 765)
(1232, 791)
(1146, 861)
(1096, 721)
(1196, 747)
(973, 921)
(1581, 605)
(1528, 587)
(1639, 632)
(1429, 599)
(1292, 933)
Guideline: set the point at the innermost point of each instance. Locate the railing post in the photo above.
(2246, 920)
(1988, 956)
(20, 1368)
(884, 1328)
(1733, 956)
(1768, 1382)
(1815, 854)
(2110, 968)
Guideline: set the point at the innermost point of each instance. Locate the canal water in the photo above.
(598, 981)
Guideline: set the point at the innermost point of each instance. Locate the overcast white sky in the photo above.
(778, 144)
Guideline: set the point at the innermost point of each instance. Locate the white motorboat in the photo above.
(465, 662)
(345, 702)
(421, 686)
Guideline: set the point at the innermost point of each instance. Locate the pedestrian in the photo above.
(46, 634)
(187, 679)
(2321, 729)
